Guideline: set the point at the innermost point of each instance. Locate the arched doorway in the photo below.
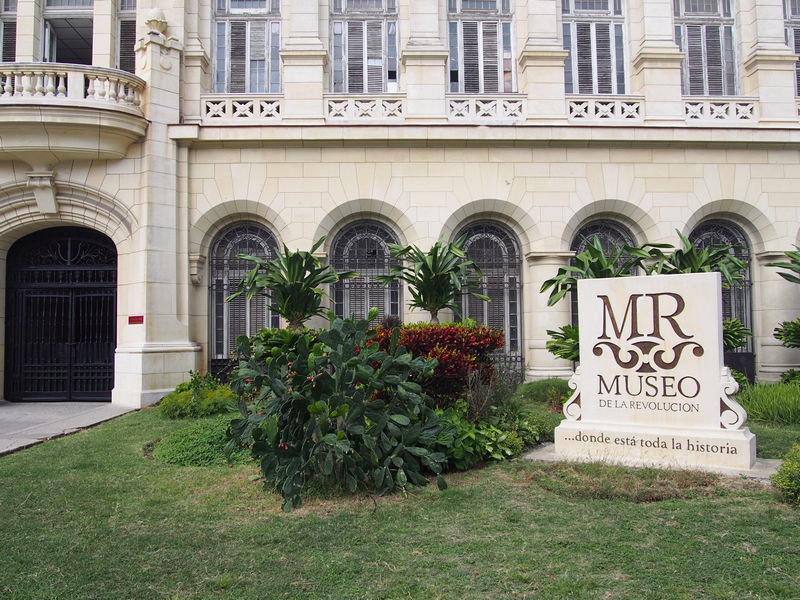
(362, 247)
(495, 250)
(61, 306)
(736, 300)
(241, 316)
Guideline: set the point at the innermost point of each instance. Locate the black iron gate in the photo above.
(61, 316)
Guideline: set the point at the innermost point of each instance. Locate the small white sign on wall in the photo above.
(651, 388)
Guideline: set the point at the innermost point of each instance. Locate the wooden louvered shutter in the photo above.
(472, 77)
(238, 57)
(258, 57)
(694, 60)
(375, 73)
(127, 41)
(605, 76)
(490, 57)
(714, 60)
(795, 39)
(583, 35)
(355, 57)
(9, 41)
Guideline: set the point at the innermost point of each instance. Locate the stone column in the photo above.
(541, 62)
(104, 34)
(656, 61)
(424, 59)
(29, 30)
(304, 58)
(768, 63)
(196, 65)
(153, 356)
(540, 364)
(776, 301)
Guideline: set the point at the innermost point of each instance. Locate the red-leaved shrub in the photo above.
(460, 349)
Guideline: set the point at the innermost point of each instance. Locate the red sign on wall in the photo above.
(136, 320)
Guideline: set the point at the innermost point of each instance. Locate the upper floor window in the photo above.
(704, 33)
(68, 31)
(364, 46)
(792, 13)
(8, 31)
(594, 38)
(479, 33)
(247, 47)
(126, 38)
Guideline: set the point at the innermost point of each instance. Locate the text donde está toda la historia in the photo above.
(665, 443)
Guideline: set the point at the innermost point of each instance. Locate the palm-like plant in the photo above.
(792, 266)
(292, 281)
(593, 263)
(435, 277)
(691, 258)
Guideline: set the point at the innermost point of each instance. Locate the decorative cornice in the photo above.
(548, 258)
(767, 256)
(542, 55)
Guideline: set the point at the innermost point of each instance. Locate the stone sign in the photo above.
(651, 388)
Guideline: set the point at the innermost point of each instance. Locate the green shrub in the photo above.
(202, 403)
(740, 378)
(788, 332)
(791, 376)
(200, 444)
(491, 392)
(540, 391)
(734, 334)
(787, 479)
(198, 381)
(775, 403)
(465, 443)
(564, 342)
(340, 409)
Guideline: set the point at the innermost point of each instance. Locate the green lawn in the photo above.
(90, 516)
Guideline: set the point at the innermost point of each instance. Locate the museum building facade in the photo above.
(144, 144)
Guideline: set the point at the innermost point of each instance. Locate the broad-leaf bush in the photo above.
(787, 479)
(460, 350)
(340, 408)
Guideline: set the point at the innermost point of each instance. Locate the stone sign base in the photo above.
(705, 449)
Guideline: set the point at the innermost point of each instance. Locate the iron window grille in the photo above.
(704, 32)
(736, 300)
(481, 60)
(364, 46)
(612, 236)
(247, 38)
(229, 320)
(126, 39)
(362, 247)
(594, 37)
(496, 252)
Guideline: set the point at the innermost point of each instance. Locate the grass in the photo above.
(91, 516)
(774, 403)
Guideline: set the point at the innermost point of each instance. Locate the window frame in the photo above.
(792, 37)
(225, 17)
(615, 17)
(725, 21)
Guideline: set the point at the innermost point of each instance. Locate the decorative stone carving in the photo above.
(44, 190)
(196, 263)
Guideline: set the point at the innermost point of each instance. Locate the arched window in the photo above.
(495, 250)
(241, 316)
(362, 247)
(736, 301)
(612, 235)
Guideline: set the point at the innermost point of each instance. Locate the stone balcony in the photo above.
(53, 112)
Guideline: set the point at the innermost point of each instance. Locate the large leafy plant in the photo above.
(435, 277)
(337, 408)
(791, 268)
(292, 281)
(593, 263)
(692, 258)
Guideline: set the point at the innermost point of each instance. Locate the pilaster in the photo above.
(104, 34)
(29, 30)
(656, 61)
(424, 59)
(540, 364)
(304, 58)
(778, 301)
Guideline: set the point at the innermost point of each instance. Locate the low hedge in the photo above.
(787, 479)
(200, 444)
(200, 403)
